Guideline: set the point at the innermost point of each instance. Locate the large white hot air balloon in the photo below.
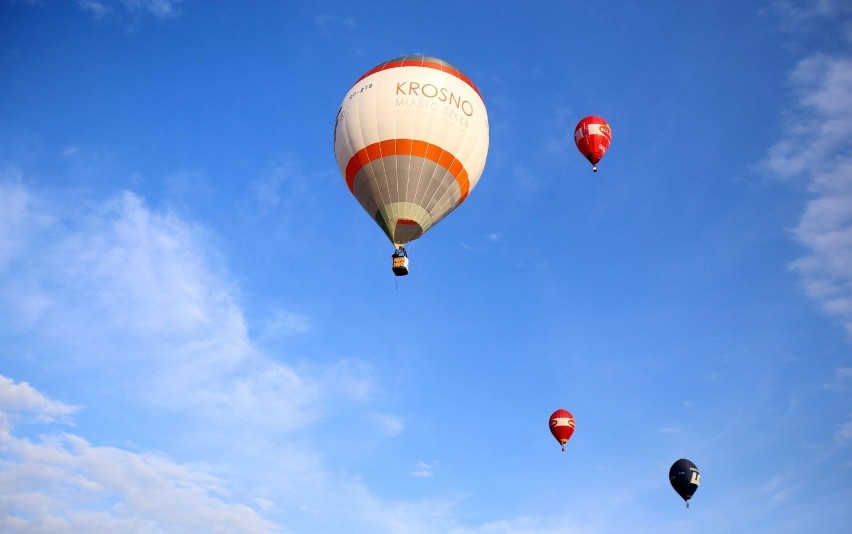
(411, 139)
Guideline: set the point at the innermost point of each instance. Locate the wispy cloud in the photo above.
(98, 8)
(842, 376)
(62, 483)
(279, 187)
(816, 146)
(21, 398)
(159, 9)
(424, 469)
(281, 324)
(797, 16)
(135, 301)
(389, 424)
(843, 436)
(327, 22)
(133, 287)
(21, 401)
(14, 207)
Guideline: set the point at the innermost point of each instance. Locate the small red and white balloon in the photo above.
(562, 426)
(592, 137)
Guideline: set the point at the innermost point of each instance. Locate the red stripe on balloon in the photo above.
(423, 63)
(408, 147)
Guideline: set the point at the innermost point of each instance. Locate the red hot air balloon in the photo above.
(592, 137)
(562, 426)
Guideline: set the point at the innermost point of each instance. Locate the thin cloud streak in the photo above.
(817, 147)
(843, 436)
(159, 9)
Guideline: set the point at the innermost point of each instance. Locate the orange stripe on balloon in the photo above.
(408, 147)
(374, 151)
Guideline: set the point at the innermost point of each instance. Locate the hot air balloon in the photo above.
(411, 138)
(592, 137)
(562, 426)
(685, 479)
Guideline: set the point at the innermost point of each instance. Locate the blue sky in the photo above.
(200, 331)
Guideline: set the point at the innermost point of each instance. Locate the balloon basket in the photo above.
(400, 262)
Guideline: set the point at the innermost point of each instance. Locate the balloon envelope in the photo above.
(592, 137)
(562, 426)
(411, 138)
(685, 478)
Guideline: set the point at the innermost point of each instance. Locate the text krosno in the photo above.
(432, 91)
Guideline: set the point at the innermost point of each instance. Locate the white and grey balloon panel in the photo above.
(411, 139)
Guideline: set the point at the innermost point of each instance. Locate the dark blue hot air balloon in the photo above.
(685, 479)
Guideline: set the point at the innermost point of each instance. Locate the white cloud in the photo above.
(424, 469)
(21, 401)
(62, 483)
(841, 376)
(280, 188)
(147, 272)
(97, 8)
(14, 203)
(136, 303)
(283, 323)
(797, 16)
(817, 147)
(122, 285)
(328, 22)
(23, 398)
(20, 217)
(159, 9)
(389, 424)
(164, 311)
(843, 436)
(350, 378)
(136, 290)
